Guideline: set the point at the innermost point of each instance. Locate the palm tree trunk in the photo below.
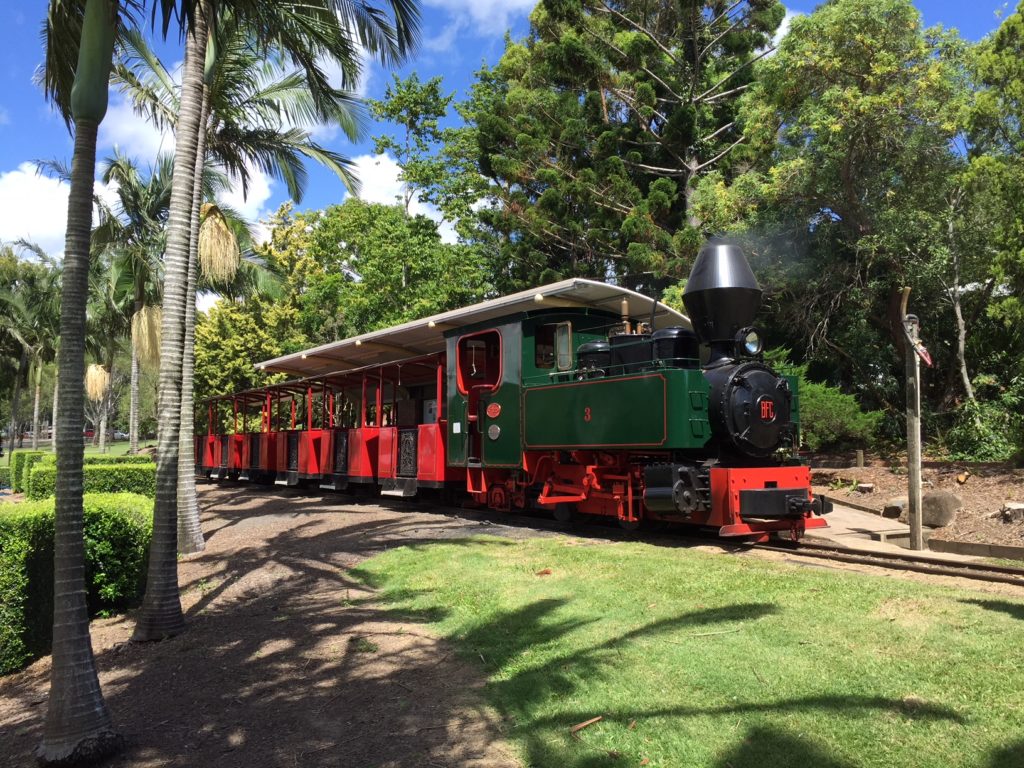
(106, 404)
(77, 720)
(133, 407)
(35, 406)
(161, 615)
(15, 426)
(190, 532)
(53, 422)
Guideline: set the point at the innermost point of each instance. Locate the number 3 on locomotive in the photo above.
(586, 414)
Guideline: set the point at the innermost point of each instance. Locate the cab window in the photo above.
(563, 346)
(553, 346)
(479, 360)
(544, 346)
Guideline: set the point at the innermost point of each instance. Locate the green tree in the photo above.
(359, 266)
(255, 113)
(850, 127)
(594, 130)
(997, 123)
(232, 337)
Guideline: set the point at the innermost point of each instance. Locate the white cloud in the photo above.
(205, 300)
(5, 116)
(444, 40)
(378, 175)
(35, 207)
(133, 135)
(784, 26)
(487, 16)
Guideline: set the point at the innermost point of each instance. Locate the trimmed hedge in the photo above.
(102, 459)
(99, 478)
(117, 530)
(5, 477)
(20, 461)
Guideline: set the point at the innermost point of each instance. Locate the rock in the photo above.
(1012, 512)
(895, 508)
(938, 509)
(865, 487)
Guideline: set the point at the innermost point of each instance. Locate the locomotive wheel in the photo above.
(564, 513)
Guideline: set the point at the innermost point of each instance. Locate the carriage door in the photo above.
(478, 374)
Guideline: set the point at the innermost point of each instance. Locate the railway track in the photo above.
(901, 561)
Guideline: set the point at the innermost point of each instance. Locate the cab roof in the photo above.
(426, 336)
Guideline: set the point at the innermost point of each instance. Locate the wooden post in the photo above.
(860, 459)
(913, 372)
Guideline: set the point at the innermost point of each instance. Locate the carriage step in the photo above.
(399, 487)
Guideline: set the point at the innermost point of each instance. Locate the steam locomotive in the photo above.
(577, 397)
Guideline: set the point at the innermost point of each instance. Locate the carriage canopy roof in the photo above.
(425, 336)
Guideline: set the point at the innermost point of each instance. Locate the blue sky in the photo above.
(458, 35)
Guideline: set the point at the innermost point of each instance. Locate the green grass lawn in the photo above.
(696, 659)
(117, 448)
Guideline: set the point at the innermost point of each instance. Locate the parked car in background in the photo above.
(118, 435)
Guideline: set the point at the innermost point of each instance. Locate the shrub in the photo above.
(98, 478)
(51, 458)
(989, 430)
(117, 529)
(830, 419)
(5, 477)
(140, 459)
(19, 459)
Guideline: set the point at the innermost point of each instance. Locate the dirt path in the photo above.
(287, 661)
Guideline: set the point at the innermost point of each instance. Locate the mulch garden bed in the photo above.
(983, 489)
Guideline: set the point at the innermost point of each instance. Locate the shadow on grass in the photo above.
(776, 748)
(286, 662)
(1011, 756)
(1014, 610)
(524, 689)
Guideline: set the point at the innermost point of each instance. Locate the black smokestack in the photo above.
(722, 296)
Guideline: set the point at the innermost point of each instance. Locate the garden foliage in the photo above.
(117, 530)
(21, 461)
(137, 478)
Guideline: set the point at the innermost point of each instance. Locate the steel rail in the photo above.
(900, 561)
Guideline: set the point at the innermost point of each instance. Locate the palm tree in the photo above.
(109, 316)
(79, 40)
(32, 314)
(45, 310)
(29, 308)
(307, 33)
(134, 231)
(254, 113)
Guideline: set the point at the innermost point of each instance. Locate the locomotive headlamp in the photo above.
(749, 340)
